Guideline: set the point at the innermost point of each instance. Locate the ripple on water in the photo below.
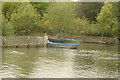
(14, 52)
(59, 63)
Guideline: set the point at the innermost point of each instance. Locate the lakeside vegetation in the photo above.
(81, 18)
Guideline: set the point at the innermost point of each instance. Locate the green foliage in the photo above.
(88, 10)
(115, 14)
(119, 20)
(41, 7)
(108, 19)
(79, 26)
(59, 18)
(25, 20)
(92, 30)
(7, 28)
(9, 7)
(0, 19)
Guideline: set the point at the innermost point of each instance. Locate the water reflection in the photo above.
(57, 64)
(19, 62)
(89, 61)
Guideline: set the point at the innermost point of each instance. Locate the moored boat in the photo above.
(56, 40)
(63, 45)
(64, 40)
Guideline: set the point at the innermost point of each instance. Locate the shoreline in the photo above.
(37, 41)
(89, 39)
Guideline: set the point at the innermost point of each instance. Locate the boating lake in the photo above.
(89, 61)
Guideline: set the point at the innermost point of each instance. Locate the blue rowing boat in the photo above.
(63, 45)
(63, 40)
(56, 40)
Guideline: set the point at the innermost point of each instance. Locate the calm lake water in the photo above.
(89, 61)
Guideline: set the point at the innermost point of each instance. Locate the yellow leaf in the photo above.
(47, 22)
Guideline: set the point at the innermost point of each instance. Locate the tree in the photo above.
(59, 18)
(80, 25)
(105, 19)
(10, 7)
(108, 19)
(0, 19)
(7, 27)
(115, 14)
(26, 19)
(119, 21)
(88, 10)
(41, 7)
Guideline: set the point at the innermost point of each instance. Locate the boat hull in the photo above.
(56, 40)
(61, 45)
(64, 40)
